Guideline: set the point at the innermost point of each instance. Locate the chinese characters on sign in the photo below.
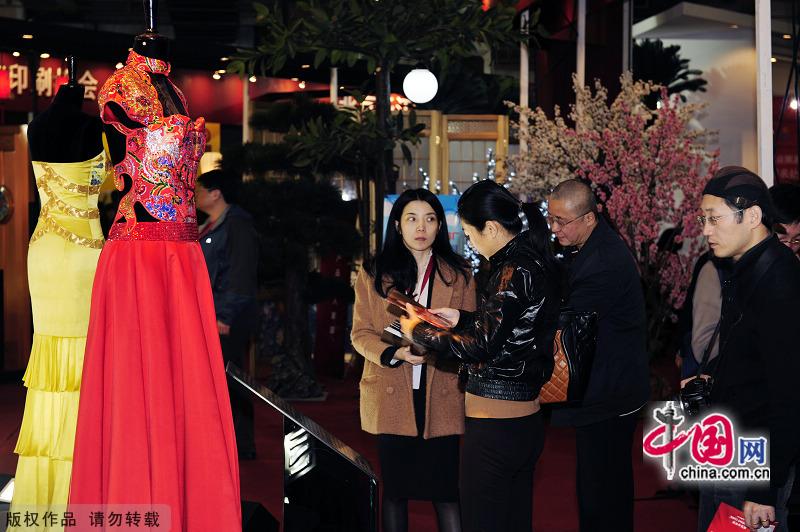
(786, 165)
(90, 83)
(87, 517)
(19, 78)
(47, 81)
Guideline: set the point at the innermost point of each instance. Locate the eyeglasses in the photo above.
(792, 242)
(552, 220)
(714, 220)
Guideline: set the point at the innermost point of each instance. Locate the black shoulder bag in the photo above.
(696, 393)
(573, 355)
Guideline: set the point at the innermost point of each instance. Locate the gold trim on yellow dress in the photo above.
(62, 259)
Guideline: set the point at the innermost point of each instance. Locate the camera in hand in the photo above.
(696, 395)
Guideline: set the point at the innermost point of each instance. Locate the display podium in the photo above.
(327, 486)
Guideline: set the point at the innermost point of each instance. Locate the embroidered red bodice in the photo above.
(162, 157)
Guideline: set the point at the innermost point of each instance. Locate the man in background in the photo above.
(755, 375)
(603, 278)
(230, 246)
(786, 199)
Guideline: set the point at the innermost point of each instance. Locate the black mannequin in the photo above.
(148, 44)
(63, 133)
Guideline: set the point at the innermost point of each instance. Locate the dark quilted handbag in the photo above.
(573, 354)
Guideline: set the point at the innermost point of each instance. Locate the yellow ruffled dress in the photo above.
(62, 259)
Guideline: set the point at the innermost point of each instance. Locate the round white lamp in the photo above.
(420, 85)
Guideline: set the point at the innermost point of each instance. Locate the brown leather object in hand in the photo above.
(555, 390)
(573, 354)
(391, 337)
(397, 306)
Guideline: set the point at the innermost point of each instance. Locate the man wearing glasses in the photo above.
(603, 278)
(755, 374)
(787, 201)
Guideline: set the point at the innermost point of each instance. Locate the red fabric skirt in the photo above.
(154, 423)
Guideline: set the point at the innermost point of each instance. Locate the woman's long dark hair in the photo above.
(396, 264)
(486, 200)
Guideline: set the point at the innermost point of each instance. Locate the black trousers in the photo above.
(498, 457)
(234, 349)
(605, 474)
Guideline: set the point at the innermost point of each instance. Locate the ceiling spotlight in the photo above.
(27, 36)
(787, 36)
(302, 84)
(773, 60)
(224, 58)
(305, 66)
(341, 88)
(118, 66)
(252, 79)
(221, 71)
(15, 54)
(216, 75)
(295, 79)
(44, 55)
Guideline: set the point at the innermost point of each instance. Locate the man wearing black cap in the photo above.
(755, 375)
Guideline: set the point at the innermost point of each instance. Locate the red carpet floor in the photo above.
(555, 505)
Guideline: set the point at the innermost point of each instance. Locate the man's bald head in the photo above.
(573, 212)
(577, 196)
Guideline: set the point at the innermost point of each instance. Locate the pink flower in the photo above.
(647, 167)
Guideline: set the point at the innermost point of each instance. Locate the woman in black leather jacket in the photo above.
(507, 348)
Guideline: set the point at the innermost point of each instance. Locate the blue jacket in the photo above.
(231, 252)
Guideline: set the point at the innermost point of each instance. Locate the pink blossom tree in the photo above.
(648, 169)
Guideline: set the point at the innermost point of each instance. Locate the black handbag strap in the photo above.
(703, 363)
(764, 263)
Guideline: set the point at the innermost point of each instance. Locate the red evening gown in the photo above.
(154, 422)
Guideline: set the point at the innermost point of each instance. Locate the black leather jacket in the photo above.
(507, 344)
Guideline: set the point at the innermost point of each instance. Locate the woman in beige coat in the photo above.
(411, 401)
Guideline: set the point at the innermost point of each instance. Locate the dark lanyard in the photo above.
(427, 277)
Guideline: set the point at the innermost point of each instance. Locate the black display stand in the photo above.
(4, 505)
(327, 486)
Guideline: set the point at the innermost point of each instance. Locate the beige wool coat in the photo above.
(387, 405)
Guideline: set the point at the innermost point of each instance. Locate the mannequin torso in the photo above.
(154, 46)
(63, 133)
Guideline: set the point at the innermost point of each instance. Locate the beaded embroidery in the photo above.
(162, 157)
(174, 231)
(54, 203)
(48, 225)
(54, 206)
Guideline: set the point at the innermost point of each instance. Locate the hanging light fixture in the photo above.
(420, 85)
